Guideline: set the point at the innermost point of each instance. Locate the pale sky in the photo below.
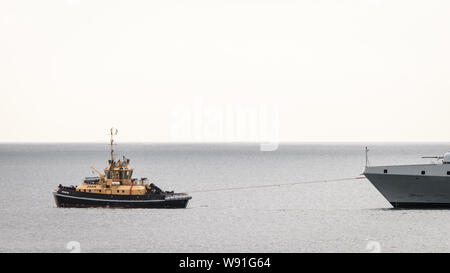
(164, 71)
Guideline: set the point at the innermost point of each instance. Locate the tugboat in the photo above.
(117, 188)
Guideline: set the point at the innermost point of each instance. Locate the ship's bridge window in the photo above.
(121, 175)
(423, 172)
(110, 175)
(448, 173)
(125, 175)
(385, 171)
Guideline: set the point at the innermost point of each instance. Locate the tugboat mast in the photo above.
(114, 132)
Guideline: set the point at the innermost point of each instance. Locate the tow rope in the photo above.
(282, 184)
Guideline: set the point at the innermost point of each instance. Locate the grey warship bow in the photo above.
(414, 186)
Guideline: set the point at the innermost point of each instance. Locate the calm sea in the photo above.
(345, 216)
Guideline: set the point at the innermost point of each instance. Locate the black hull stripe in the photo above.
(108, 200)
(417, 205)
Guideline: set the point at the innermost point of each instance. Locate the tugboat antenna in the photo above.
(114, 132)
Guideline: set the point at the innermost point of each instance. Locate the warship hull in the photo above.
(409, 188)
(68, 198)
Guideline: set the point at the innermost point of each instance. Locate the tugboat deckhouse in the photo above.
(116, 187)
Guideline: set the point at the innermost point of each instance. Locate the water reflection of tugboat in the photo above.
(117, 188)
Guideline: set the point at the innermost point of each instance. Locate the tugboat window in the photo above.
(385, 171)
(120, 175)
(423, 172)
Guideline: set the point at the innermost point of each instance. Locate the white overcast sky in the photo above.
(332, 70)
